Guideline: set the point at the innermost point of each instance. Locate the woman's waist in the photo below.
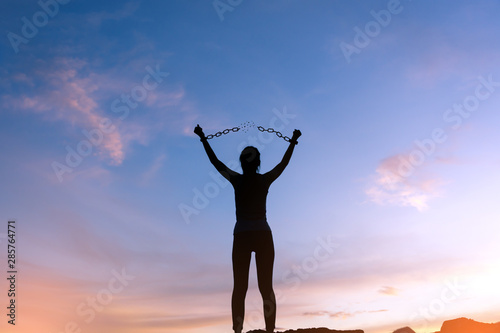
(250, 215)
(251, 225)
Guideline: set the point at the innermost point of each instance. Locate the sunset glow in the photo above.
(387, 215)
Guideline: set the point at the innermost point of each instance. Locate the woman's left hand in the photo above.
(296, 134)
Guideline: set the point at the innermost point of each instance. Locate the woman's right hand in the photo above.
(199, 131)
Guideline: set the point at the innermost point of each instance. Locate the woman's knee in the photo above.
(266, 291)
(240, 289)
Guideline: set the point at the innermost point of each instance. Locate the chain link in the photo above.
(272, 130)
(247, 125)
(226, 131)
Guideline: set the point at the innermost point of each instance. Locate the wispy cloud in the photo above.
(391, 291)
(151, 172)
(68, 97)
(69, 91)
(391, 186)
(340, 314)
(128, 10)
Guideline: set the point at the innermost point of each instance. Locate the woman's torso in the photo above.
(250, 193)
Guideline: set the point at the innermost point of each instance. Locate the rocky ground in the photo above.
(460, 325)
(311, 330)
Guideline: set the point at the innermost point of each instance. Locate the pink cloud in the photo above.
(164, 99)
(391, 291)
(70, 92)
(68, 97)
(23, 78)
(391, 185)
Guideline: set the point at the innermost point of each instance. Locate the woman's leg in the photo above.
(264, 257)
(241, 265)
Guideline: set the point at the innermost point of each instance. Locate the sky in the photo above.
(386, 216)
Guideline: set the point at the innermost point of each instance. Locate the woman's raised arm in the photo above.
(278, 169)
(221, 167)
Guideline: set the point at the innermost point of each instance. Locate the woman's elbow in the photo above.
(282, 165)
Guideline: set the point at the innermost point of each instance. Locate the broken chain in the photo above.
(246, 126)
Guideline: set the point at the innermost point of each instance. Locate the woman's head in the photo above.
(250, 160)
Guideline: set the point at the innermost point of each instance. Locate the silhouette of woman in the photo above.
(251, 232)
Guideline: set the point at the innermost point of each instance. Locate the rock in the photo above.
(311, 330)
(404, 330)
(464, 325)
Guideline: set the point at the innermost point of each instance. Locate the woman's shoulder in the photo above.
(235, 178)
(256, 177)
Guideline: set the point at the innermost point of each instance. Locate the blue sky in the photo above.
(385, 217)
